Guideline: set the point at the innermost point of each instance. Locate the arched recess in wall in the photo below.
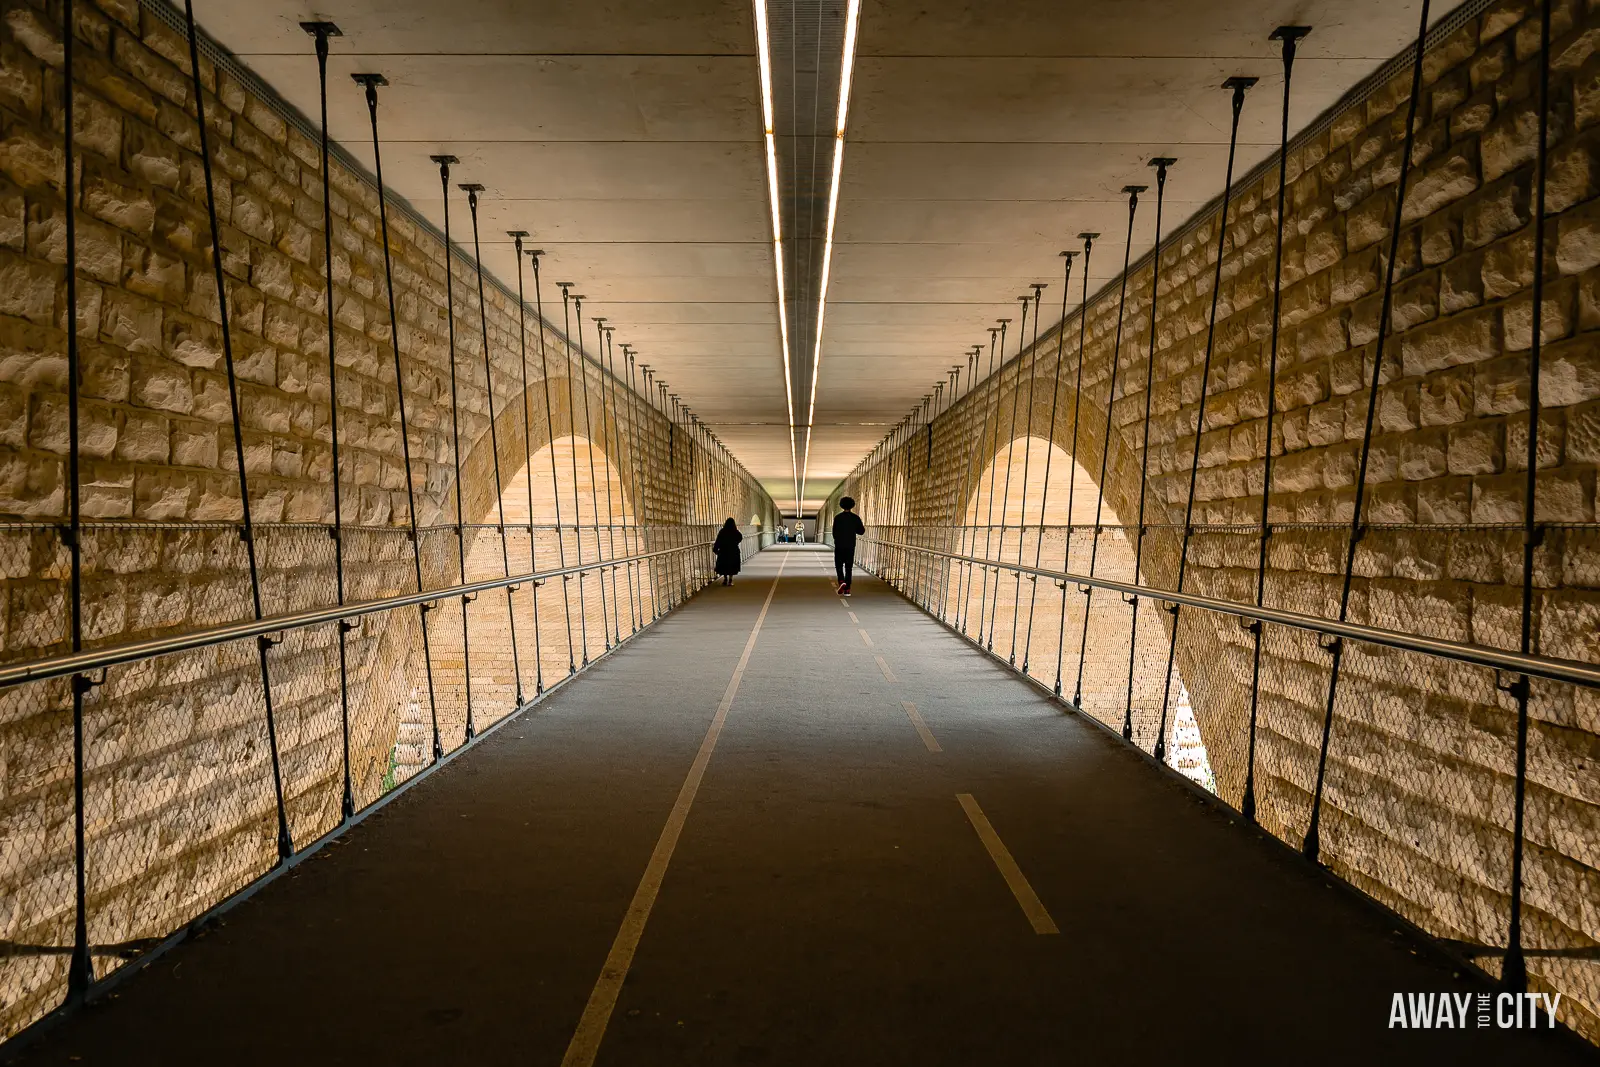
(885, 505)
(1032, 501)
(571, 480)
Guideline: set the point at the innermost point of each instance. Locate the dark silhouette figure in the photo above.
(847, 526)
(726, 548)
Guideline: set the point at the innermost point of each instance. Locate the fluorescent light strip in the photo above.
(764, 55)
(846, 73)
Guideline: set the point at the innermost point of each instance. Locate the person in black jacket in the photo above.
(847, 526)
(726, 548)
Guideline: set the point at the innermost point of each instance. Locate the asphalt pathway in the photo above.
(783, 827)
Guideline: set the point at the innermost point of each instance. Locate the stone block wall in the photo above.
(180, 805)
(1417, 808)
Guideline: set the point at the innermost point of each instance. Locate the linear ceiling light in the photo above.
(846, 71)
(764, 52)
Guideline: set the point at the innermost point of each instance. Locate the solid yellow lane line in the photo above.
(1032, 906)
(922, 728)
(591, 1030)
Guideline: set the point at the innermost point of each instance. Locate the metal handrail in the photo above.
(1560, 670)
(149, 648)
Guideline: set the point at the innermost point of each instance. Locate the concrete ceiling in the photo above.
(626, 135)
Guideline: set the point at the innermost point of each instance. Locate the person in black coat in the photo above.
(726, 548)
(847, 526)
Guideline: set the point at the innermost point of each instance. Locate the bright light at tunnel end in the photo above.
(846, 72)
(764, 54)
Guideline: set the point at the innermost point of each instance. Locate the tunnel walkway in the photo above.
(899, 853)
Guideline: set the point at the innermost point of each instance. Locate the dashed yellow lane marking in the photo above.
(887, 673)
(852, 616)
(865, 639)
(1032, 906)
(591, 1030)
(922, 728)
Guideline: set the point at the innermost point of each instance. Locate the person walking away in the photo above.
(847, 526)
(726, 548)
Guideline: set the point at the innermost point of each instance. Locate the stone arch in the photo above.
(1047, 514)
(560, 623)
(1047, 408)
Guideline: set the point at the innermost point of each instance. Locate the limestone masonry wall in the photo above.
(179, 795)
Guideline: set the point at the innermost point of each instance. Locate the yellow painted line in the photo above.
(887, 673)
(867, 640)
(922, 728)
(1032, 906)
(585, 1044)
(852, 616)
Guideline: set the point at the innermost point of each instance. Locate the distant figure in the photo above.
(800, 532)
(847, 526)
(783, 535)
(726, 548)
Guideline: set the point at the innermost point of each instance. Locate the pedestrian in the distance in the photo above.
(847, 526)
(726, 548)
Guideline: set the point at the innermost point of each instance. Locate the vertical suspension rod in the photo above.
(988, 527)
(1133, 192)
(594, 486)
(1290, 38)
(1238, 87)
(248, 533)
(445, 162)
(1161, 163)
(1312, 847)
(1049, 453)
(1514, 970)
(80, 968)
(572, 424)
(1072, 482)
(321, 31)
(472, 189)
(555, 474)
(371, 83)
(991, 407)
(527, 452)
(1027, 456)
